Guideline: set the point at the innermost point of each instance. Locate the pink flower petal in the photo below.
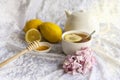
(80, 62)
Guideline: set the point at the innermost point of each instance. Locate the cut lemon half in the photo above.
(32, 35)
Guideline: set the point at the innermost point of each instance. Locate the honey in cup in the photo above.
(41, 48)
(77, 37)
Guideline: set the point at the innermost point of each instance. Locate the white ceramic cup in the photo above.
(70, 47)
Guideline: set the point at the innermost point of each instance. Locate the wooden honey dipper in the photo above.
(31, 46)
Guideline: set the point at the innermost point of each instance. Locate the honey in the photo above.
(40, 48)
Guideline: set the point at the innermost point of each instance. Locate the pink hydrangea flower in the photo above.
(80, 62)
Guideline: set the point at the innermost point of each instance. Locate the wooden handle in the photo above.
(12, 58)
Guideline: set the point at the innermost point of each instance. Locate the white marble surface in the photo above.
(48, 66)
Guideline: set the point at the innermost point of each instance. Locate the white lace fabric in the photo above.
(48, 66)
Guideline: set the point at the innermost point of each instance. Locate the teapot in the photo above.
(82, 20)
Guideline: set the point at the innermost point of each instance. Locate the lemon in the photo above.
(72, 38)
(33, 23)
(32, 35)
(51, 32)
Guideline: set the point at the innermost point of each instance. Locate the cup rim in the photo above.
(74, 31)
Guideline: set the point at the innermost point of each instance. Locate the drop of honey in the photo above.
(42, 48)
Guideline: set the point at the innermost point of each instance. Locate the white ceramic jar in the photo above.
(84, 21)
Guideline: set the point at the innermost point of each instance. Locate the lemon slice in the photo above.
(32, 35)
(72, 38)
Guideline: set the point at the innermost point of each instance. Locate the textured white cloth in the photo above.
(48, 66)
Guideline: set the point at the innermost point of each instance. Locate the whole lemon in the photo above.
(51, 32)
(33, 23)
